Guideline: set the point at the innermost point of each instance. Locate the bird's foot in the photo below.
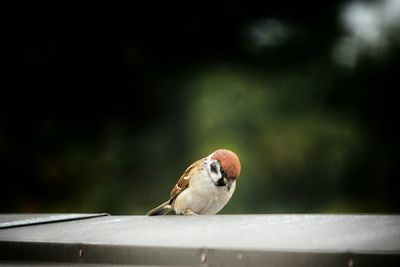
(190, 212)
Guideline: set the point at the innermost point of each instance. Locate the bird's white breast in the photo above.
(203, 196)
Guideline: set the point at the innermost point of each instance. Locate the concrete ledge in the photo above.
(221, 240)
(15, 220)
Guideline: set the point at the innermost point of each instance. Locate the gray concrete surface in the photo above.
(224, 240)
(13, 220)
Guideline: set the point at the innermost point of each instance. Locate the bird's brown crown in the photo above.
(229, 162)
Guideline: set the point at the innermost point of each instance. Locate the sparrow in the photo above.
(205, 187)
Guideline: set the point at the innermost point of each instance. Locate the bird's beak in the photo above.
(229, 184)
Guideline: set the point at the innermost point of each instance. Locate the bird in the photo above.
(205, 187)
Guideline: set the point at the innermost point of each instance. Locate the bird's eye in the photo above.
(213, 167)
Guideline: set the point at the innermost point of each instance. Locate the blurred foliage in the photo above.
(105, 116)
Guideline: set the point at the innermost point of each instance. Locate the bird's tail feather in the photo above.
(163, 209)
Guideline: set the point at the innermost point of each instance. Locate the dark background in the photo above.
(101, 111)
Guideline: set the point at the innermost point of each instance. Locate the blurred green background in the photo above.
(104, 113)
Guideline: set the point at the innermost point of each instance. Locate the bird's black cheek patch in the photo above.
(220, 182)
(213, 167)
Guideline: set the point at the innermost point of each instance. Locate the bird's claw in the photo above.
(190, 213)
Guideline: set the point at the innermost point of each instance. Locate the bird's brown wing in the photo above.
(183, 182)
